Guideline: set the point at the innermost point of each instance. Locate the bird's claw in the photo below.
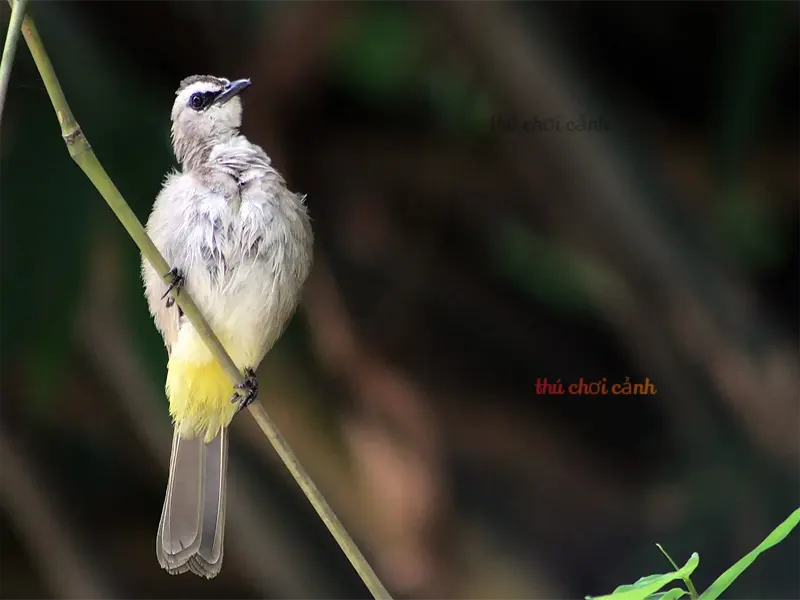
(177, 283)
(249, 391)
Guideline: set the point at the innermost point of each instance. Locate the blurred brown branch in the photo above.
(413, 419)
(399, 467)
(44, 525)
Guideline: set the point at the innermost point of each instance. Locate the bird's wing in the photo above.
(161, 229)
(167, 320)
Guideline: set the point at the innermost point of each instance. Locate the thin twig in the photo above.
(84, 156)
(14, 26)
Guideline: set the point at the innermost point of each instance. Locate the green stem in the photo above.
(84, 156)
(687, 580)
(10, 49)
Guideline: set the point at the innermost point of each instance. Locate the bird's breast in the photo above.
(234, 251)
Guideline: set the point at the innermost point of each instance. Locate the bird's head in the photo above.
(207, 110)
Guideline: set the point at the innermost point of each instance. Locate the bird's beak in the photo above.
(234, 88)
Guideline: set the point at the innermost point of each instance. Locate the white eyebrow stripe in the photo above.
(200, 86)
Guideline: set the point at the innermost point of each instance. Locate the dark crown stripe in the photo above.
(196, 78)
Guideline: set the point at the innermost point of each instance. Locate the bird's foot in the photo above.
(176, 283)
(249, 390)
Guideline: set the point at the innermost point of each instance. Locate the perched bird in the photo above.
(241, 244)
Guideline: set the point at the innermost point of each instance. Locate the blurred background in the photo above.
(472, 239)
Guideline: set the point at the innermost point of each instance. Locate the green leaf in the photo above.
(672, 594)
(687, 580)
(669, 558)
(640, 583)
(647, 586)
(724, 581)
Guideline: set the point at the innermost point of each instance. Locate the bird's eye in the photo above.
(197, 100)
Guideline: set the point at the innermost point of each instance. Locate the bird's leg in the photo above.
(250, 390)
(177, 283)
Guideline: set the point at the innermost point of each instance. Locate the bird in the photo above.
(241, 244)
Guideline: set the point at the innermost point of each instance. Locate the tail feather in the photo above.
(191, 531)
(208, 560)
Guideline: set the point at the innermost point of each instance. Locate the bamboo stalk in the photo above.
(10, 49)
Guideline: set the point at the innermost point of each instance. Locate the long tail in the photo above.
(192, 527)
